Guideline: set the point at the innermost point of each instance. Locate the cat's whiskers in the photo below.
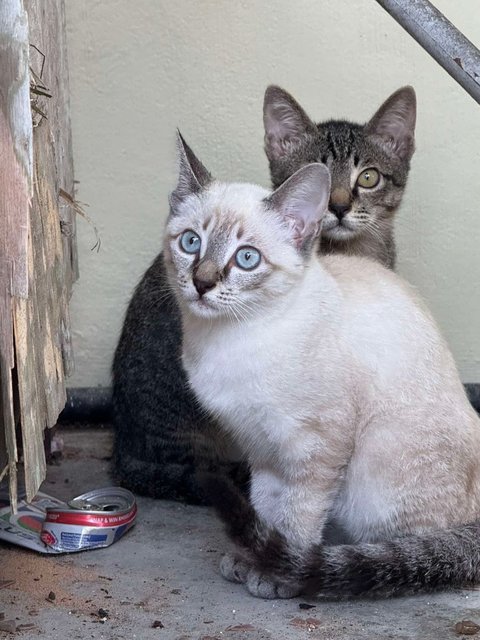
(235, 307)
(241, 310)
(232, 313)
(374, 231)
(237, 314)
(247, 308)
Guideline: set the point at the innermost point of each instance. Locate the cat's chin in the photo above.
(203, 308)
(339, 233)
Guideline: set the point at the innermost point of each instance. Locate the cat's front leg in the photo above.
(297, 508)
(244, 528)
(299, 511)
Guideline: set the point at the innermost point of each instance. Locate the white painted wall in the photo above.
(140, 69)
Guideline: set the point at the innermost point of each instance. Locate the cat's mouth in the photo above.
(201, 306)
(336, 229)
(340, 231)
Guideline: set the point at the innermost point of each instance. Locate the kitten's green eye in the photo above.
(190, 242)
(247, 258)
(368, 178)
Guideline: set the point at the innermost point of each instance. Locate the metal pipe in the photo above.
(441, 39)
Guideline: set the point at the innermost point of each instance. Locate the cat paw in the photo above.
(262, 586)
(233, 568)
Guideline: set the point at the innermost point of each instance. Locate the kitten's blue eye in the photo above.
(190, 242)
(247, 258)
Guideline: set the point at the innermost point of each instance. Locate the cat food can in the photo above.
(93, 520)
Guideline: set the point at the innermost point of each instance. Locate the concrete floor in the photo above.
(164, 572)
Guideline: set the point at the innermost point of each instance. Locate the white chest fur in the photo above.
(243, 374)
(234, 373)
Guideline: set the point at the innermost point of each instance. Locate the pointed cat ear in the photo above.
(285, 122)
(192, 176)
(393, 125)
(302, 201)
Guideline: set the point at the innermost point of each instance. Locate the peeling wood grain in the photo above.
(38, 264)
(42, 336)
(48, 34)
(15, 192)
(16, 166)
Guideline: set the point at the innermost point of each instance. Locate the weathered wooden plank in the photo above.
(43, 350)
(38, 323)
(38, 261)
(15, 191)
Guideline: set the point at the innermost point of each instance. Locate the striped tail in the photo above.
(438, 560)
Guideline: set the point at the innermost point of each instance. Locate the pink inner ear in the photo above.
(300, 229)
(301, 201)
(293, 227)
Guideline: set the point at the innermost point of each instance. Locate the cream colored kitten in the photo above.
(334, 380)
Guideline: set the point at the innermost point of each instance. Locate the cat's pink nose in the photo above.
(340, 202)
(202, 286)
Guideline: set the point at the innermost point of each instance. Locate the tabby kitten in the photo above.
(161, 435)
(368, 163)
(336, 383)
